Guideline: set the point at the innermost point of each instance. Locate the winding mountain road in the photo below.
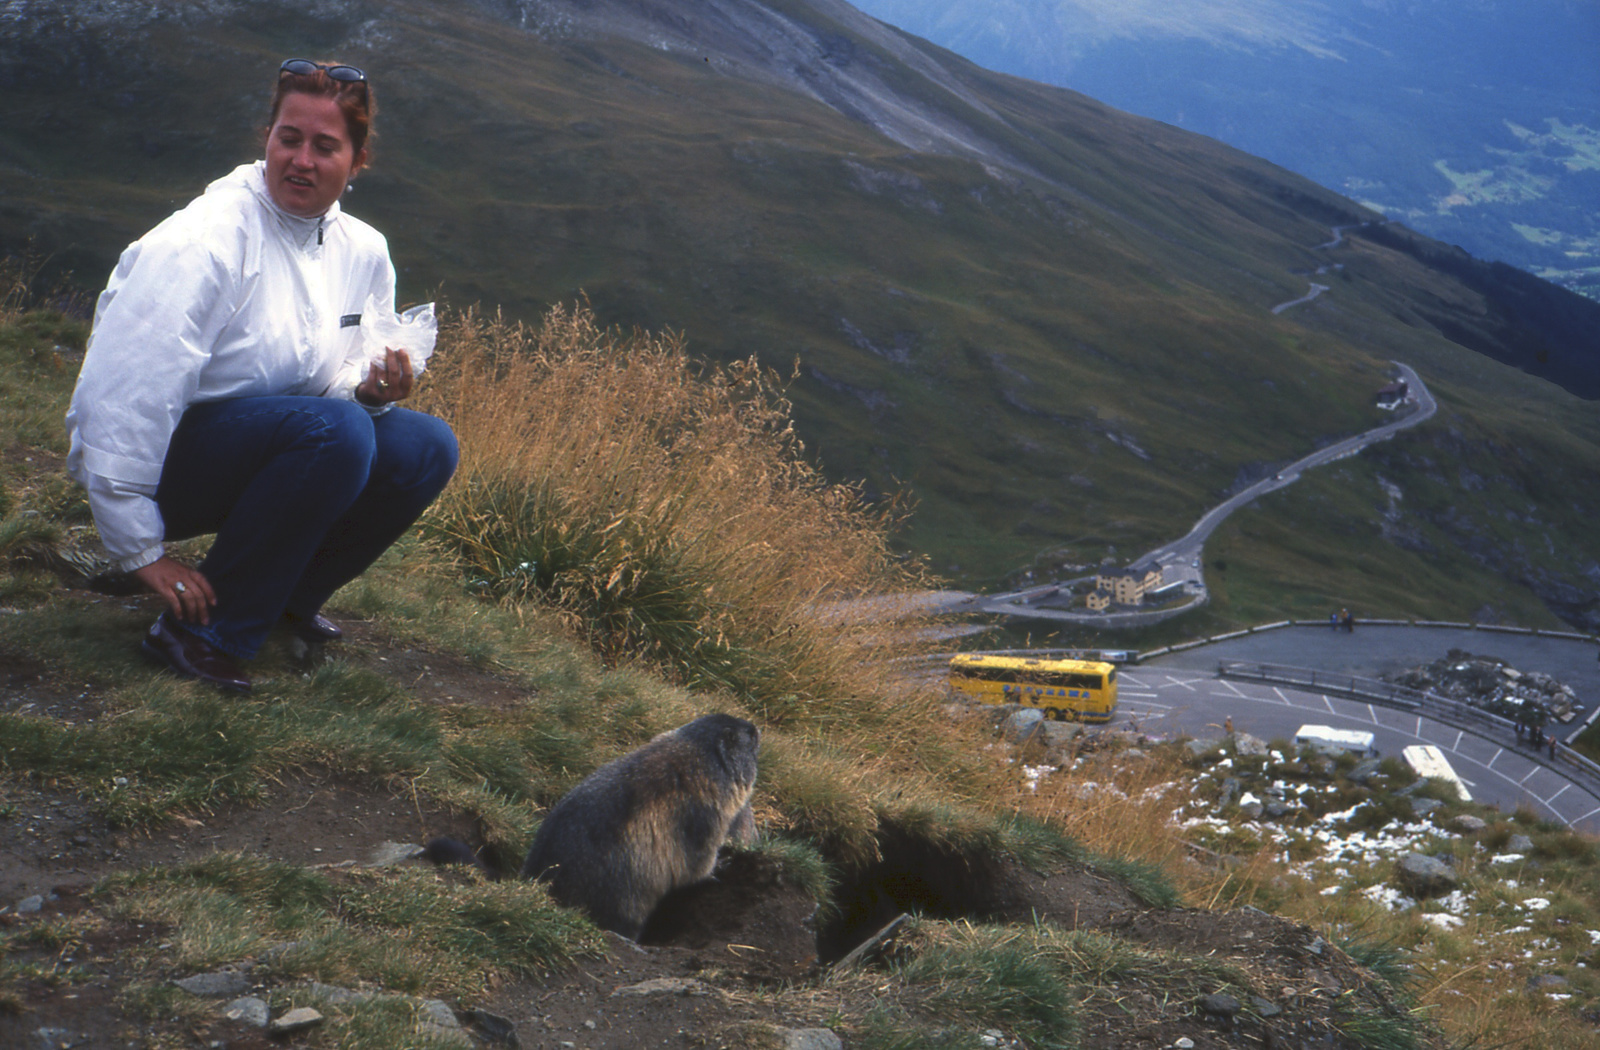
(1316, 290)
(1181, 561)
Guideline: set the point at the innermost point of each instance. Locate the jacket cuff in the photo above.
(143, 558)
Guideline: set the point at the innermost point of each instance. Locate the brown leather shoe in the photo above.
(314, 631)
(182, 653)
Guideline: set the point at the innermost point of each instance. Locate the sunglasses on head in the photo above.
(303, 67)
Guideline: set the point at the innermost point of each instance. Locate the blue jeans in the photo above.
(303, 494)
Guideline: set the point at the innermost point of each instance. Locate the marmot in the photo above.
(646, 824)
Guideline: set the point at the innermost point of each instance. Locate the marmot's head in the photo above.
(732, 743)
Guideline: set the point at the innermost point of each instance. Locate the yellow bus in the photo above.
(1080, 690)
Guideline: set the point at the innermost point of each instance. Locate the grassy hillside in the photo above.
(1058, 342)
(1067, 893)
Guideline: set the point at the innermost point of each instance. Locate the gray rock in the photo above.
(1364, 770)
(1519, 844)
(1059, 734)
(666, 986)
(1421, 807)
(249, 1011)
(1546, 982)
(1316, 946)
(1247, 745)
(437, 1011)
(809, 1039)
(30, 906)
(1276, 810)
(295, 1021)
(1468, 824)
(1264, 1008)
(275, 953)
(387, 854)
(1230, 791)
(1021, 724)
(215, 985)
(445, 1034)
(1423, 876)
(1221, 1005)
(58, 1039)
(1204, 747)
(1251, 810)
(333, 994)
(494, 1028)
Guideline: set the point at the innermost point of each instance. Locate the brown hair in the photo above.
(355, 100)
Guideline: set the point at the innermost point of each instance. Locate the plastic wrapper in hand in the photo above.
(414, 331)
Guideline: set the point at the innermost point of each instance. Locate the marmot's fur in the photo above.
(646, 824)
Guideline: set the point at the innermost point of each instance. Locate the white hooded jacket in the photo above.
(229, 297)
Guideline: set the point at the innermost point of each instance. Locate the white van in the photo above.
(1336, 741)
(1428, 761)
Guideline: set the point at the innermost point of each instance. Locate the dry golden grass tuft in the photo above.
(664, 505)
(1122, 807)
(665, 508)
(16, 282)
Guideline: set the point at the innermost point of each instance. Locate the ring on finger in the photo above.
(180, 588)
(383, 384)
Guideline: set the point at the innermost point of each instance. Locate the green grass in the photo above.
(990, 978)
(407, 930)
(1028, 982)
(174, 746)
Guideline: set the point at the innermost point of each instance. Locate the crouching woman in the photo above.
(225, 390)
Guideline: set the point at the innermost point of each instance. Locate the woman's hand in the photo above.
(387, 383)
(187, 593)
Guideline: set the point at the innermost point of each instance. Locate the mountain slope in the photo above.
(1473, 122)
(1047, 318)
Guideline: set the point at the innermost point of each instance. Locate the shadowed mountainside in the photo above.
(1048, 319)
